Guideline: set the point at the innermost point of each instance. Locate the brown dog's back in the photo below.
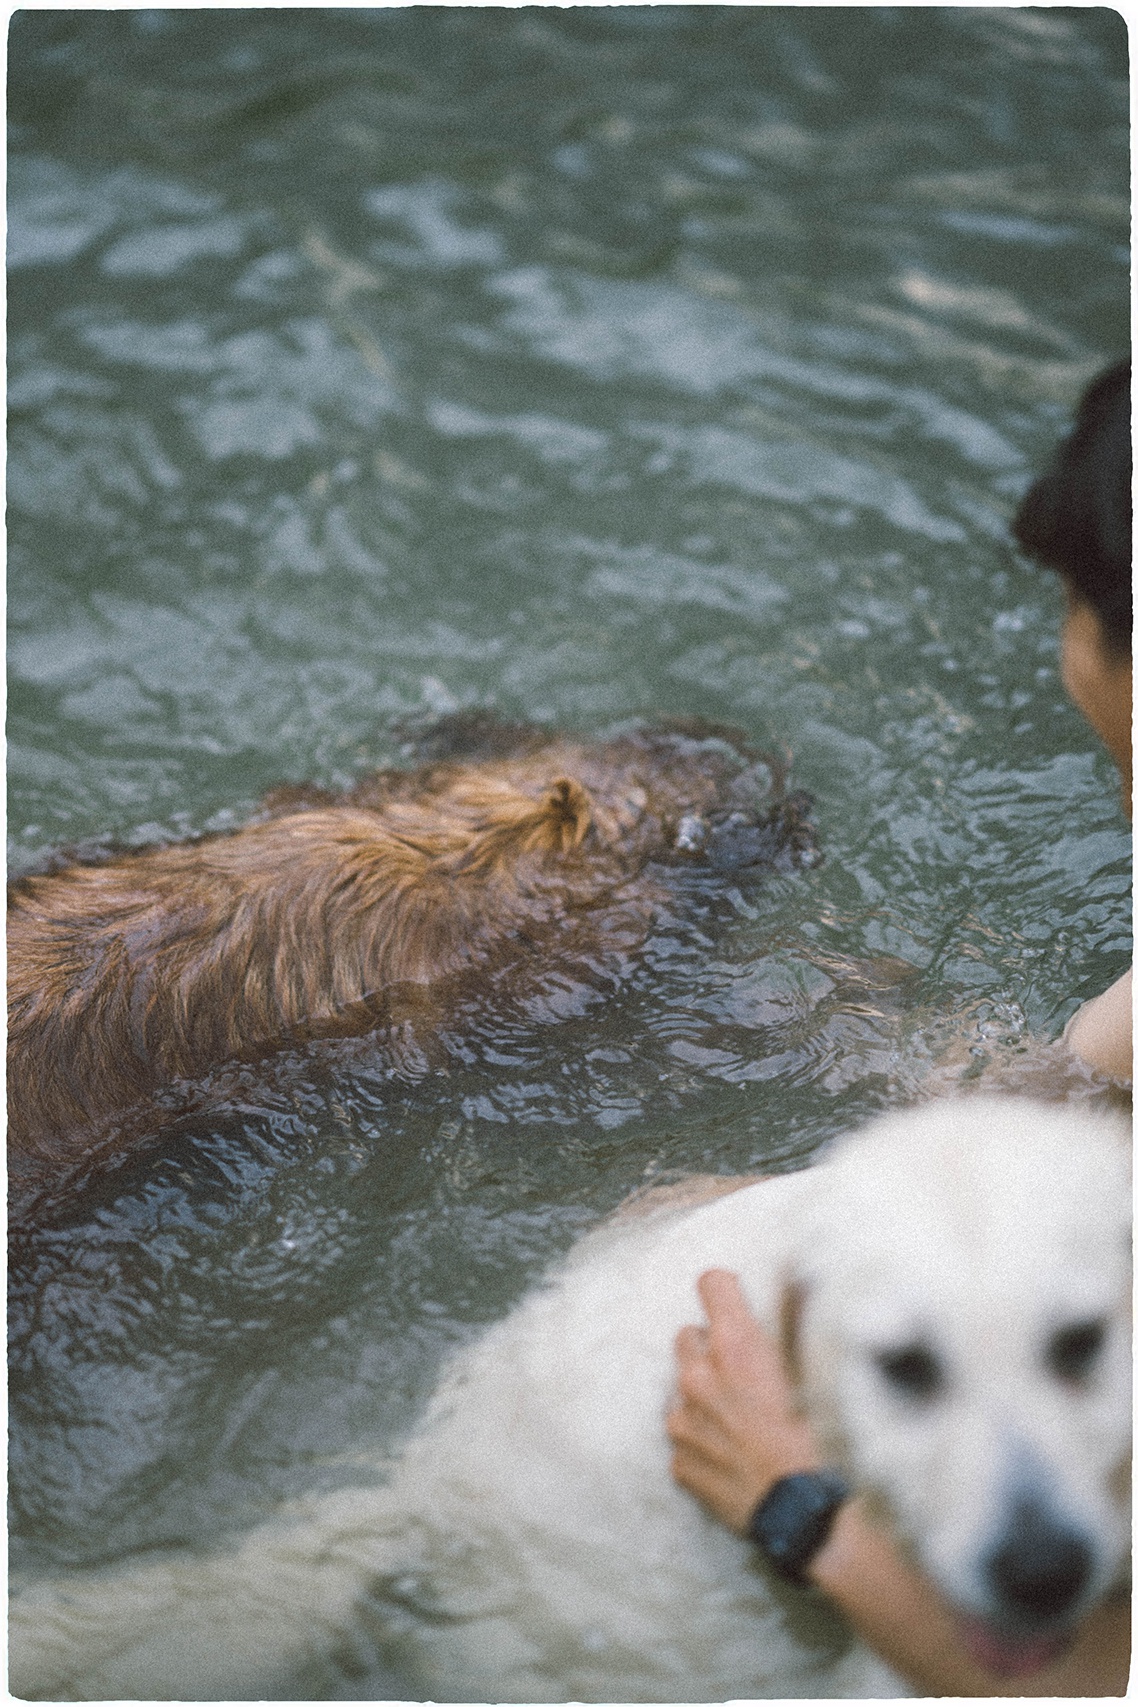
(157, 967)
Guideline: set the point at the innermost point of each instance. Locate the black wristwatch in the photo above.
(793, 1519)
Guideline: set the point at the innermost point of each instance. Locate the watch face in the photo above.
(793, 1520)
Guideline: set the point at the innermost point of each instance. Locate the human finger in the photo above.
(736, 1341)
(729, 1316)
(691, 1341)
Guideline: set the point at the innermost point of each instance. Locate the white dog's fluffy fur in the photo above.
(530, 1545)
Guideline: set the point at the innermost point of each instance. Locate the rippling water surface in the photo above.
(582, 365)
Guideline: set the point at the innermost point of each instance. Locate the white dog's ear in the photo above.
(791, 1301)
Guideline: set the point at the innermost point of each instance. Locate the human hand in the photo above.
(734, 1427)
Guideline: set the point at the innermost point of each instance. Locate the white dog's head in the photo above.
(963, 1340)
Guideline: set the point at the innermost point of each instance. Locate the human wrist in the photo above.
(839, 1554)
(792, 1521)
(797, 1459)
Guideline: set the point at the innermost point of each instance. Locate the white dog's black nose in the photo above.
(1040, 1566)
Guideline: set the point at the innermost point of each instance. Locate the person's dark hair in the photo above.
(1077, 517)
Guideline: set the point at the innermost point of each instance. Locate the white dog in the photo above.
(963, 1346)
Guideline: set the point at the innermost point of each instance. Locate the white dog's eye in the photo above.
(1072, 1351)
(914, 1370)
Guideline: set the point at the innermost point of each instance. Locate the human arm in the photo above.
(735, 1431)
(1101, 1032)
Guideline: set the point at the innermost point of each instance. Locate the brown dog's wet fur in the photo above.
(155, 968)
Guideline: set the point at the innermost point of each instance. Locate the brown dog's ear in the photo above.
(568, 814)
(513, 823)
(789, 1316)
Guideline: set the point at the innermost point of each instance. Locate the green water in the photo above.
(583, 365)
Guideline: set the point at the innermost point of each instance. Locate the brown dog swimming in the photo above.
(157, 967)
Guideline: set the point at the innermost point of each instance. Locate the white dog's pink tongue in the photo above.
(1008, 1656)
